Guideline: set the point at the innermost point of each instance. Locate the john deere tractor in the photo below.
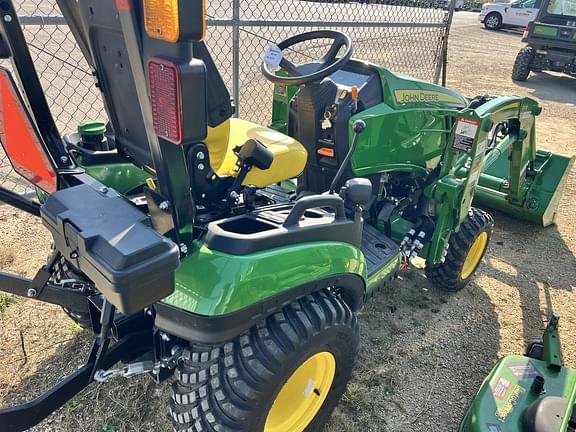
(534, 392)
(234, 256)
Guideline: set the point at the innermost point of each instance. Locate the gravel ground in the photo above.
(424, 352)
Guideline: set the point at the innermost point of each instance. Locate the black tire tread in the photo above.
(217, 388)
(447, 274)
(522, 64)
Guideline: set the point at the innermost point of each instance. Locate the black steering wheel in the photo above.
(314, 71)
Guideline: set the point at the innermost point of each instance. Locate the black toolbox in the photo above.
(111, 241)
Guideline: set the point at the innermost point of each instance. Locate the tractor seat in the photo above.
(289, 155)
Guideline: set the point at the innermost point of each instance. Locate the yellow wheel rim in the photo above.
(474, 255)
(302, 396)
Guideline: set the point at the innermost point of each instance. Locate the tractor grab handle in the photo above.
(314, 201)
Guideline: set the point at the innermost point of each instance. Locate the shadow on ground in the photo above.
(424, 354)
(537, 260)
(509, 31)
(120, 405)
(555, 88)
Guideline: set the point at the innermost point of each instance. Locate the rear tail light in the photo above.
(20, 138)
(527, 30)
(175, 20)
(165, 98)
(178, 100)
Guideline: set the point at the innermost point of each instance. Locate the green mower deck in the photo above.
(527, 394)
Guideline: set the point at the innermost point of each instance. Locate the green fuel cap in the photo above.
(91, 127)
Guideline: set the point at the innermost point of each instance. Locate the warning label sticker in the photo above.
(493, 428)
(504, 410)
(465, 133)
(523, 370)
(501, 388)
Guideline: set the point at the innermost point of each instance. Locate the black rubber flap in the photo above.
(111, 241)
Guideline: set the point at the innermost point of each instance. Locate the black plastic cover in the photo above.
(545, 414)
(111, 241)
(114, 72)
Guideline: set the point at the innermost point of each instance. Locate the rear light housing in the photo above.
(175, 20)
(178, 100)
(527, 30)
(21, 140)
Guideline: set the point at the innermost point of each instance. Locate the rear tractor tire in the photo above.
(285, 374)
(523, 63)
(466, 250)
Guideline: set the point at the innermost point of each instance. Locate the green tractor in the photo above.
(529, 393)
(233, 256)
(551, 40)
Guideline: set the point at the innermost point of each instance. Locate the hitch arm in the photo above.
(25, 416)
(50, 293)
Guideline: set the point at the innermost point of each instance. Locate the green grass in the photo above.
(5, 302)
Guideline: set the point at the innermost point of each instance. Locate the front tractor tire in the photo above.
(285, 374)
(523, 63)
(466, 250)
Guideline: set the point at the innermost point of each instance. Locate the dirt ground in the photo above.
(424, 352)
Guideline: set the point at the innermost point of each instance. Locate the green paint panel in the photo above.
(215, 283)
(541, 30)
(384, 272)
(399, 140)
(505, 394)
(122, 177)
(408, 131)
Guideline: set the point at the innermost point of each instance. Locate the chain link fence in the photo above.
(406, 36)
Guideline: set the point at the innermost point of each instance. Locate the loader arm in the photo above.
(517, 178)
(507, 173)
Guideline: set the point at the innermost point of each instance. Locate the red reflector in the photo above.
(164, 78)
(124, 5)
(20, 138)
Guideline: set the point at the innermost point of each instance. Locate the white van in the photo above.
(515, 14)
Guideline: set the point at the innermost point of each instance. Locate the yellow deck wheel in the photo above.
(474, 255)
(303, 394)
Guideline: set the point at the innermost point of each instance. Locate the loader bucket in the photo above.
(541, 188)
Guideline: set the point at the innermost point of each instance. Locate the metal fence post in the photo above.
(442, 63)
(236, 55)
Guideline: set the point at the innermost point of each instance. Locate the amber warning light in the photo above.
(20, 138)
(175, 20)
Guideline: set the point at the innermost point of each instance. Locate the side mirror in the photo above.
(357, 190)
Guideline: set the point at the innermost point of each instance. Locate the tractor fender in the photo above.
(219, 295)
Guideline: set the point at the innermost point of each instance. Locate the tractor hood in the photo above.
(402, 91)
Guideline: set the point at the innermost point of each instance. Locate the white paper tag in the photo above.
(273, 57)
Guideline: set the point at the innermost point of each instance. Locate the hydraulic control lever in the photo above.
(359, 126)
